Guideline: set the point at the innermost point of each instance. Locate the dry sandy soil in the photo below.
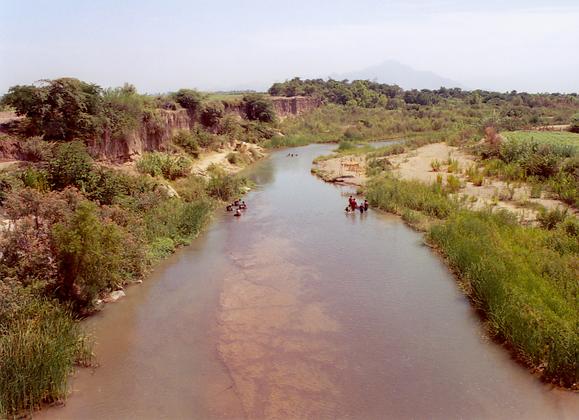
(415, 165)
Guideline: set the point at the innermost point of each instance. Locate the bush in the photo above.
(186, 141)
(71, 166)
(224, 186)
(35, 178)
(35, 149)
(346, 145)
(453, 184)
(90, 254)
(258, 108)
(211, 114)
(165, 165)
(550, 219)
(435, 165)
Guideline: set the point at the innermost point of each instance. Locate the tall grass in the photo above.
(39, 345)
(395, 195)
(525, 281)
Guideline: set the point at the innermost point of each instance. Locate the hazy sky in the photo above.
(163, 45)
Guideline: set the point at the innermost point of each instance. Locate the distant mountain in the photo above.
(395, 73)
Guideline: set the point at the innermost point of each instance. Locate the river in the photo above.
(298, 310)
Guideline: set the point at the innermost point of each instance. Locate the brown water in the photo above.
(297, 310)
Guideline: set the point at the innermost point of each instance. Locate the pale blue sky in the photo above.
(163, 45)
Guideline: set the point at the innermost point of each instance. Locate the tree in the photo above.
(257, 108)
(60, 109)
(211, 114)
(189, 99)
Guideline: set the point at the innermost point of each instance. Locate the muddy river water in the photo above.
(297, 310)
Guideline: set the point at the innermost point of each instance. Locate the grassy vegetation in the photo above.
(524, 279)
(81, 232)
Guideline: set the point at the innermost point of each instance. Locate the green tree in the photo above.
(258, 108)
(60, 109)
(71, 165)
(189, 99)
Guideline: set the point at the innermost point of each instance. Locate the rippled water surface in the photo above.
(296, 309)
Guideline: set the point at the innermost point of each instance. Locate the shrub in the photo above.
(224, 186)
(574, 126)
(165, 165)
(453, 166)
(189, 99)
(211, 114)
(435, 165)
(395, 195)
(453, 184)
(35, 178)
(191, 188)
(549, 219)
(35, 149)
(90, 255)
(70, 166)
(475, 175)
(186, 141)
(346, 145)
(258, 108)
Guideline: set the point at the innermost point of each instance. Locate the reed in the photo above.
(525, 281)
(38, 351)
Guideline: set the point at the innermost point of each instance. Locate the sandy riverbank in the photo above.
(416, 165)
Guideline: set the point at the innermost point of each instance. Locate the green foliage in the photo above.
(211, 114)
(164, 164)
(258, 108)
(346, 145)
(575, 123)
(39, 344)
(173, 222)
(90, 254)
(435, 165)
(453, 184)
(394, 195)
(123, 109)
(525, 282)
(60, 109)
(549, 219)
(475, 175)
(189, 99)
(71, 165)
(35, 178)
(224, 186)
(35, 149)
(187, 141)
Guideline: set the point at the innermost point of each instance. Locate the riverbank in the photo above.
(505, 267)
(71, 248)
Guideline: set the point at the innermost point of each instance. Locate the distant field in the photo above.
(224, 96)
(551, 137)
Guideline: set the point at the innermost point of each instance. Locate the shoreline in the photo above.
(331, 169)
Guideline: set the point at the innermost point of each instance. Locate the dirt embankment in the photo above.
(416, 165)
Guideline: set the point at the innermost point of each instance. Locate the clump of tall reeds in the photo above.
(39, 345)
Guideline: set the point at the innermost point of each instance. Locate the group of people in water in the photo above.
(236, 207)
(292, 155)
(353, 206)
